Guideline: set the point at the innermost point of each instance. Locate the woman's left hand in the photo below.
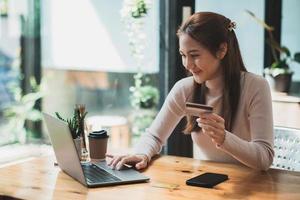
(214, 126)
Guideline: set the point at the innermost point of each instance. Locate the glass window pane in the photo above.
(290, 31)
(80, 65)
(249, 33)
(10, 89)
(89, 35)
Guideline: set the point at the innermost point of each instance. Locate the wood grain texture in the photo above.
(40, 179)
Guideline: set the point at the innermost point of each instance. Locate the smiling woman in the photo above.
(240, 128)
(197, 59)
(212, 53)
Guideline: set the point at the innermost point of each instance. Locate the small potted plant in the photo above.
(279, 73)
(77, 128)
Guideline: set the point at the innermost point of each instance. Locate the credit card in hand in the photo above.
(195, 109)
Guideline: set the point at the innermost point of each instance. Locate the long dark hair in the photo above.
(211, 30)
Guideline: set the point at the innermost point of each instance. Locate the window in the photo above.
(87, 60)
(290, 31)
(89, 36)
(250, 35)
(10, 32)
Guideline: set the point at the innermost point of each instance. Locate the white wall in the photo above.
(249, 33)
(290, 31)
(89, 35)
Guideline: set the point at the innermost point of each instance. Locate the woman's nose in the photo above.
(189, 64)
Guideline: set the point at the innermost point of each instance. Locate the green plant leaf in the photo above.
(286, 51)
(60, 117)
(9, 113)
(277, 71)
(280, 65)
(280, 49)
(15, 111)
(297, 57)
(34, 115)
(33, 83)
(261, 22)
(140, 9)
(31, 97)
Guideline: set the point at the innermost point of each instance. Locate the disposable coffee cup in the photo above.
(98, 145)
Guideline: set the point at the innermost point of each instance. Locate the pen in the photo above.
(126, 165)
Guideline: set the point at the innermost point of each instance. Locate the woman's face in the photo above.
(198, 60)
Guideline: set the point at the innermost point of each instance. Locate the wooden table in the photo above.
(40, 179)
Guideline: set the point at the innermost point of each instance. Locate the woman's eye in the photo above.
(194, 55)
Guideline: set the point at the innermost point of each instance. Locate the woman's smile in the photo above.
(196, 72)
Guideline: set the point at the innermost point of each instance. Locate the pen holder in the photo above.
(77, 142)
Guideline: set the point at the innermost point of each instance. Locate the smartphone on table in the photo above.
(207, 180)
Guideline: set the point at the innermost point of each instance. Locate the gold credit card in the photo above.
(195, 109)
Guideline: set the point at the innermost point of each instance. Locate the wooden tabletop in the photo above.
(40, 179)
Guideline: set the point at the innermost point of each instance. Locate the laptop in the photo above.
(89, 174)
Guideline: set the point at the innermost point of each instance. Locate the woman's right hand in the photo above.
(140, 161)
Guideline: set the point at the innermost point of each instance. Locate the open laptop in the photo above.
(90, 174)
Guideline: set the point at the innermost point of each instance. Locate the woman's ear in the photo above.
(222, 51)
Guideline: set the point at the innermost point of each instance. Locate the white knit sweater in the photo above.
(251, 139)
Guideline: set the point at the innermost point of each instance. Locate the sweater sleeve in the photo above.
(258, 152)
(172, 111)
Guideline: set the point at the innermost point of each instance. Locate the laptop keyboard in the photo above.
(95, 174)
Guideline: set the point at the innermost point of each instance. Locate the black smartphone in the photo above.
(207, 180)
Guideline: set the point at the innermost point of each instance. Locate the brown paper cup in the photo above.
(98, 145)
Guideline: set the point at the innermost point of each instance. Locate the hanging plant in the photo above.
(145, 96)
(133, 16)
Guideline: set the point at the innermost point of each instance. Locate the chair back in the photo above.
(287, 149)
